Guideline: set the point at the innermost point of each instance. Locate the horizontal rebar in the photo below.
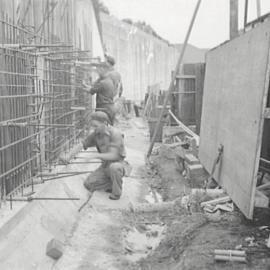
(18, 141)
(66, 99)
(80, 162)
(21, 46)
(79, 58)
(52, 125)
(22, 29)
(16, 85)
(28, 95)
(17, 50)
(55, 70)
(18, 119)
(61, 173)
(48, 129)
(25, 124)
(29, 199)
(19, 166)
(62, 85)
(17, 74)
(62, 52)
(67, 114)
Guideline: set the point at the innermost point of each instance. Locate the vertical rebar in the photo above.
(10, 201)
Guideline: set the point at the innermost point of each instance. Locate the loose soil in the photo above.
(191, 237)
(169, 239)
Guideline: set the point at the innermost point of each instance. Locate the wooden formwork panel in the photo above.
(189, 107)
(235, 92)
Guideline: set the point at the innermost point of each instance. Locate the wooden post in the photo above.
(246, 13)
(171, 87)
(258, 8)
(233, 18)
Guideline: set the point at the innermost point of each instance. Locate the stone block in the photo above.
(191, 159)
(54, 249)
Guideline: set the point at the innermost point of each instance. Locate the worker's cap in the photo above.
(103, 130)
(110, 60)
(100, 116)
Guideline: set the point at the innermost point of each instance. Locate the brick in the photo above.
(191, 159)
(54, 249)
(193, 147)
(169, 132)
(194, 170)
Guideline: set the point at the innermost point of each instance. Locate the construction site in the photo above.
(120, 150)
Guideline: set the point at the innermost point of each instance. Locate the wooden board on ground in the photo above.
(235, 93)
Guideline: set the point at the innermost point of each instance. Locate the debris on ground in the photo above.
(230, 255)
(177, 225)
(192, 234)
(140, 241)
(268, 242)
(54, 249)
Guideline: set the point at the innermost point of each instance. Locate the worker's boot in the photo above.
(116, 170)
(114, 197)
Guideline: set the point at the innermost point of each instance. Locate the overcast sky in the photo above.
(170, 18)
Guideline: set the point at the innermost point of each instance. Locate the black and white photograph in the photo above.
(134, 134)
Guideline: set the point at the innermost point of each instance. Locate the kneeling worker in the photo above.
(111, 151)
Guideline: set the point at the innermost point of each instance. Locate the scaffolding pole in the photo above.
(171, 87)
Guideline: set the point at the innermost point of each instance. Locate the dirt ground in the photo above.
(191, 238)
(171, 238)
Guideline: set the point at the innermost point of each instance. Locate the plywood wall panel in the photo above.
(234, 90)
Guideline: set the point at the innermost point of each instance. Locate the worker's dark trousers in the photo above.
(109, 109)
(107, 176)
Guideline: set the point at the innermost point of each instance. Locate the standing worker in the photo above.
(111, 151)
(104, 89)
(115, 76)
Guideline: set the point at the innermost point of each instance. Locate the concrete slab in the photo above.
(97, 241)
(24, 237)
(92, 243)
(131, 195)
